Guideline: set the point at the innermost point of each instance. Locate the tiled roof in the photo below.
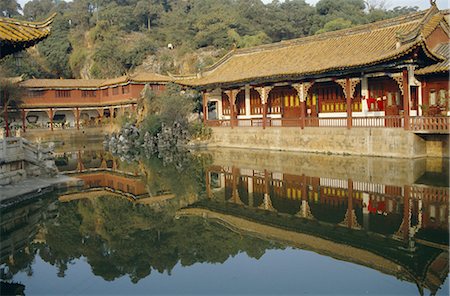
(15, 34)
(145, 76)
(140, 77)
(442, 49)
(62, 83)
(363, 45)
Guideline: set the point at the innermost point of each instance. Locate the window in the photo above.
(432, 97)
(115, 90)
(88, 93)
(105, 92)
(36, 93)
(63, 93)
(125, 89)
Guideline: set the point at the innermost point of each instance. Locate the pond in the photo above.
(232, 222)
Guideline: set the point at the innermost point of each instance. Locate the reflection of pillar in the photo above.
(235, 193)
(406, 212)
(366, 214)
(250, 192)
(267, 203)
(350, 203)
(80, 166)
(208, 184)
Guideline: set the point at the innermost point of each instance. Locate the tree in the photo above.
(57, 48)
(148, 11)
(334, 25)
(36, 9)
(10, 99)
(10, 8)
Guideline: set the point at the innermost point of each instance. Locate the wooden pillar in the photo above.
(24, 122)
(348, 95)
(231, 96)
(264, 105)
(205, 107)
(111, 114)
(406, 99)
(51, 118)
(101, 113)
(77, 117)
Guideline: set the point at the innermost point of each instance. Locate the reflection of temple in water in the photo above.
(414, 218)
(101, 171)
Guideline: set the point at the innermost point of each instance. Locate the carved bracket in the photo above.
(302, 89)
(398, 77)
(353, 83)
(264, 93)
(232, 94)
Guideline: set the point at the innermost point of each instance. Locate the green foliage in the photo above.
(198, 130)
(9, 8)
(37, 9)
(57, 48)
(104, 38)
(334, 25)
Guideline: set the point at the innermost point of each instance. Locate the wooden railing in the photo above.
(426, 124)
(433, 124)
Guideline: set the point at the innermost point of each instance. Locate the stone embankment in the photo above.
(27, 171)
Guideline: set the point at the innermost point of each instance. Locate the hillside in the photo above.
(103, 38)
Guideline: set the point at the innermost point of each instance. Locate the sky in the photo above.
(423, 4)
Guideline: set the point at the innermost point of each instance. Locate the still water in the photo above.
(233, 222)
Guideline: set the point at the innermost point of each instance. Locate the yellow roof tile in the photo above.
(355, 47)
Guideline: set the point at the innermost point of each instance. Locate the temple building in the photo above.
(76, 103)
(388, 73)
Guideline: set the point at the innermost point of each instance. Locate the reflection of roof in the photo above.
(333, 51)
(140, 77)
(444, 50)
(16, 35)
(387, 261)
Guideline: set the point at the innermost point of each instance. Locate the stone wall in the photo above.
(386, 142)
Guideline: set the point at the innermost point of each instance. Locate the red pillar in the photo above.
(24, 127)
(232, 109)
(349, 103)
(205, 107)
(406, 98)
(302, 113)
(264, 115)
(77, 115)
(51, 119)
